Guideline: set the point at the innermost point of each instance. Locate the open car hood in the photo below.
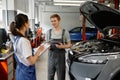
(101, 16)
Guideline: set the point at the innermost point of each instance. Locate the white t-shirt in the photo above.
(24, 50)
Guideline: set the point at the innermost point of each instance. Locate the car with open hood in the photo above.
(97, 59)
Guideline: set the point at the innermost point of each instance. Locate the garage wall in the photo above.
(70, 16)
(23, 5)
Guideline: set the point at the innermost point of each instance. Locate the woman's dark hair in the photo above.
(20, 20)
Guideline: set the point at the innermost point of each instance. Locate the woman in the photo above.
(23, 52)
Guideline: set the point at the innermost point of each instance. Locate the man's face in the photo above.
(55, 22)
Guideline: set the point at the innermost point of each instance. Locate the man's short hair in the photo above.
(55, 16)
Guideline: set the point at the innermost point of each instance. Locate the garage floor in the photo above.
(41, 67)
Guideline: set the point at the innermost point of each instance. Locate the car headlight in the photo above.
(93, 61)
(100, 58)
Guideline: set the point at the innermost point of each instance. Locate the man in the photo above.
(60, 40)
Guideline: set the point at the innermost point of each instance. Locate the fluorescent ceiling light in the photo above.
(67, 4)
(76, 1)
(69, 1)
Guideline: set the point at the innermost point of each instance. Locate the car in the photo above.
(97, 59)
(76, 33)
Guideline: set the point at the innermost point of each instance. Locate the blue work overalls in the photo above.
(56, 62)
(23, 72)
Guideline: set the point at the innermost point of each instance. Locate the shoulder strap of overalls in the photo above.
(15, 42)
(63, 32)
(50, 34)
(15, 49)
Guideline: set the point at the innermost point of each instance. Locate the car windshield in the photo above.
(77, 29)
(90, 29)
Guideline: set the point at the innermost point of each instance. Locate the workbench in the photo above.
(6, 66)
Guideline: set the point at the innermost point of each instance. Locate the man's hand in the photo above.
(60, 46)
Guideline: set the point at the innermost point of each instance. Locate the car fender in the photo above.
(109, 70)
(114, 74)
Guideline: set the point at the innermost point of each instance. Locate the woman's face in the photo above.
(55, 22)
(27, 25)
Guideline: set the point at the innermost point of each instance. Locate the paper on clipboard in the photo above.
(46, 46)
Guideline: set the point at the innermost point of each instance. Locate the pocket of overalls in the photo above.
(31, 69)
(29, 72)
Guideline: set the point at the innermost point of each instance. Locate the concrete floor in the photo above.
(41, 67)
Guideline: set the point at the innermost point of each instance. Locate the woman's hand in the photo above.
(41, 48)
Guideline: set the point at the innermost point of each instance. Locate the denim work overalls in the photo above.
(23, 72)
(56, 62)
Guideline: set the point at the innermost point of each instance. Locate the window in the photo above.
(1, 19)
